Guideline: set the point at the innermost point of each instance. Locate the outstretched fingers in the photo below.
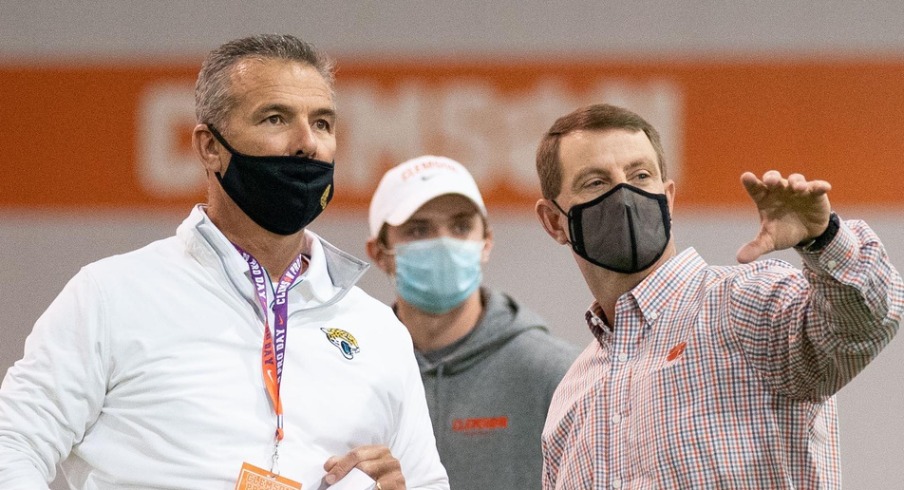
(791, 210)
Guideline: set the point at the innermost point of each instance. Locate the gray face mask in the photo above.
(624, 230)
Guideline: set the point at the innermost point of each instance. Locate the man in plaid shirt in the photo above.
(703, 376)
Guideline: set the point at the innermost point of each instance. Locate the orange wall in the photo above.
(68, 135)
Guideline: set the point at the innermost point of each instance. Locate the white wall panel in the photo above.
(103, 28)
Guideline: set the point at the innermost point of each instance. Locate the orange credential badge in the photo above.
(253, 478)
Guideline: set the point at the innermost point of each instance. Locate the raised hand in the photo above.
(791, 211)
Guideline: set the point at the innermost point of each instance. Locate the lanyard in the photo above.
(273, 350)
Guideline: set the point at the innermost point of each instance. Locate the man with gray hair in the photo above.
(171, 366)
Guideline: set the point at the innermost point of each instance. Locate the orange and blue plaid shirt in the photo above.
(723, 377)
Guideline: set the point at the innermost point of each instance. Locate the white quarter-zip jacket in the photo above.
(145, 372)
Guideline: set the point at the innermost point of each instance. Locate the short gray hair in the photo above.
(213, 100)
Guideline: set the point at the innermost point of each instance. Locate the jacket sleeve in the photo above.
(414, 444)
(811, 332)
(51, 396)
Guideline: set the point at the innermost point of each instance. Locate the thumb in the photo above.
(753, 249)
(336, 469)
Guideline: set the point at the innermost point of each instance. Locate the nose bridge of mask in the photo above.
(602, 223)
(631, 214)
(443, 244)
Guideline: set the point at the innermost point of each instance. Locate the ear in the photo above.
(208, 149)
(487, 245)
(378, 255)
(670, 194)
(551, 219)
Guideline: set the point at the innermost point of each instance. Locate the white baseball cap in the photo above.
(409, 185)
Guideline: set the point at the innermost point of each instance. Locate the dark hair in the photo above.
(596, 117)
(213, 99)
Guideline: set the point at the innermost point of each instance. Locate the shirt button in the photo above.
(616, 483)
(616, 418)
(654, 316)
(831, 264)
(623, 357)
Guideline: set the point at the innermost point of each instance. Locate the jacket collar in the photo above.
(331, 273)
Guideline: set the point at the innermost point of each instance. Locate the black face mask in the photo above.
(282, 194)
(624, 230)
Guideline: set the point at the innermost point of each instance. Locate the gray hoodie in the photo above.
(488, 397)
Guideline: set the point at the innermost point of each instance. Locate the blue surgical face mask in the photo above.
(438, 274)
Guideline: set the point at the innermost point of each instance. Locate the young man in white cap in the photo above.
(489, 366)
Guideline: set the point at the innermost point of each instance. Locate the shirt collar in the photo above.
(653, 293)
(598, 323)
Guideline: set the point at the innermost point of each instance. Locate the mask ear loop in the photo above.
(570, 222)
(219, 137)
(558, 207)
(388, 251)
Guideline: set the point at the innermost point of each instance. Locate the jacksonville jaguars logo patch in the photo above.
(343, 340)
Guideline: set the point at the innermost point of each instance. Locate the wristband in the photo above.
(820, 242)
